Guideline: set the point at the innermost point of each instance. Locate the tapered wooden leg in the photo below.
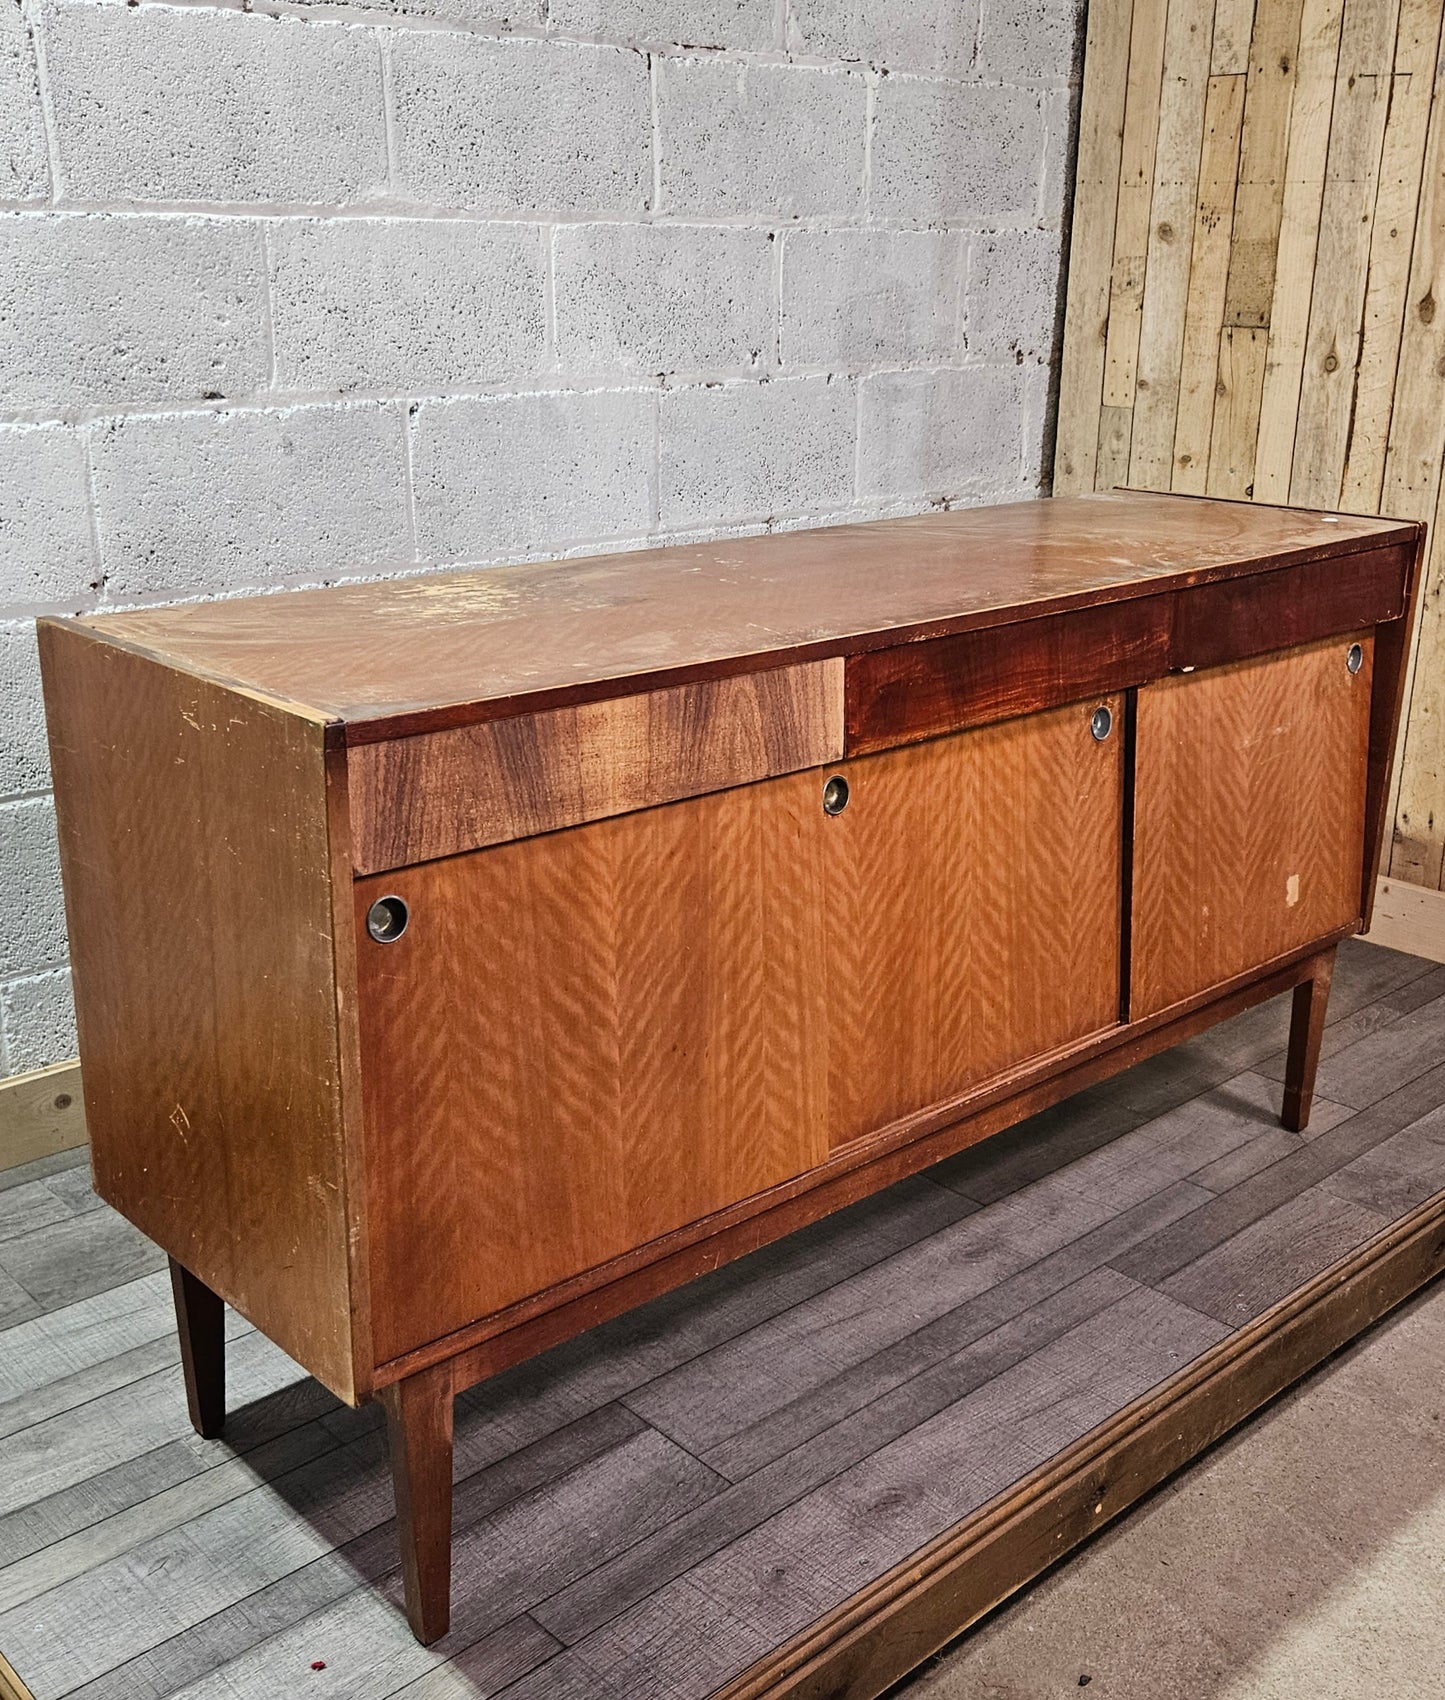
(200, 1319)
(1306, 1030)
(419, 1429)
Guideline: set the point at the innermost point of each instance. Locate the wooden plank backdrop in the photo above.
(1255, 282)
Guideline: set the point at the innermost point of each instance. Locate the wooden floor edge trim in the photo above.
(888, 1629)
(11, 1687)
(1409, 918)
(40, 1114)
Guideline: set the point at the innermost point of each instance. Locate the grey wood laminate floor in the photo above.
(649, 1509)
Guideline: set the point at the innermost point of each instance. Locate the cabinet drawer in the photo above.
(1249, 815)
(1233, 619)
(919, 690)
(582, 1041)
(440, 793)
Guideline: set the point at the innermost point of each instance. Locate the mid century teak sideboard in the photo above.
(463, 959)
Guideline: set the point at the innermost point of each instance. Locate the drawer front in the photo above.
(1268, 612)
(1249, 815)
(919, 690)
(585, 1040)
(441, 793)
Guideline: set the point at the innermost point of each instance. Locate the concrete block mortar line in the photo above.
(655, 200)
(268, 309)
(42, 796)
(869, 112)
(550, 358)
(654, 513)
(858, 443)
(92, 512)
(963, 304)
(551, 383)
(388, 112)
(33, 13)
(779, 245)
(425, 212)
(363, 17)
(654, 471)
(408, 413)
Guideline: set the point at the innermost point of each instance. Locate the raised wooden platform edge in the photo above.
(1409, 918)
(41, 1113)
(886, 1630)
(11, 1687)
(853, 1171)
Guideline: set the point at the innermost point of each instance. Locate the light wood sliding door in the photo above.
(693, 1002)
(1249, 811)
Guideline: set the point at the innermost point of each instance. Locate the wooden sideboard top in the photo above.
(384, 658)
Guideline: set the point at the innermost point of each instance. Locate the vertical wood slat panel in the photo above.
(1309, 140)
(1396, 205)
(1091, 245)
(1263, 147)
(1413, 487)
(1208, 274)
(1289, 344)
(1136, 194)
(1236, 410)
(1233, 27)
(1347, 213)
(1188, 42)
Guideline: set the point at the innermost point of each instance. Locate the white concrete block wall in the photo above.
(294, 291)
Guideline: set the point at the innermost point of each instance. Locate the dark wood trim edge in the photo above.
(1130, 732)
(336, 778)
(888, 1629)
(1390, 669)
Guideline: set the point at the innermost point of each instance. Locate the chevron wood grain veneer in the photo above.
(462, 961)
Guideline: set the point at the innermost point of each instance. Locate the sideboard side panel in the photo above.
(1249, 816)
(195, 850)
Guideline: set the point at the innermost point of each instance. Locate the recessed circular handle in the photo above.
(1101, 722)
(386, 919)
(1354, 658)
(835, 795)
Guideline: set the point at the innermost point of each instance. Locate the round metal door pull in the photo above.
(835, 795)
(1354, 658)
(1101, 723)
(386, 919)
